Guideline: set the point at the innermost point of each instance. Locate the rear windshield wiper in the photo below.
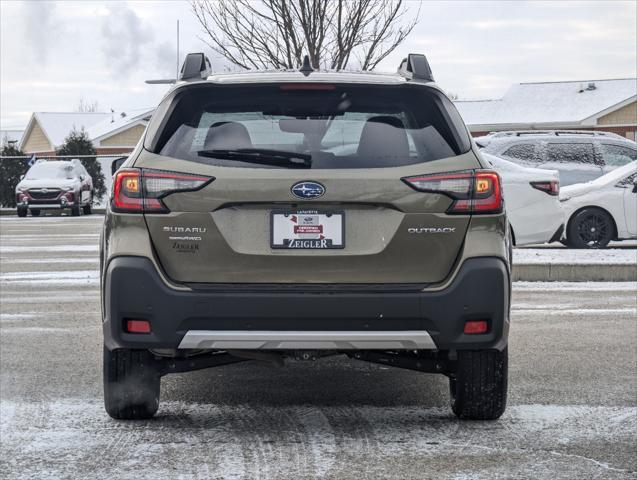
(261, 155)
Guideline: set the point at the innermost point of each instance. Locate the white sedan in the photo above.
(531, 201)
(602, 210)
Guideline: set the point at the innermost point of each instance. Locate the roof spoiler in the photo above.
(416, 67)
(196, 66)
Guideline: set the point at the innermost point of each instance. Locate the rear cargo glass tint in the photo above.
(338, 126)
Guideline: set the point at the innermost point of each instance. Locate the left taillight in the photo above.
(473, 192)
(138, 190)
(551, 187)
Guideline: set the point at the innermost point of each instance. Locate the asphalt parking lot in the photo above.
(572, 397)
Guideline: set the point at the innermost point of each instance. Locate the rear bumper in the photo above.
(335, 319)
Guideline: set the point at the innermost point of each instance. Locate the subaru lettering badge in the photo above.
(308, 190)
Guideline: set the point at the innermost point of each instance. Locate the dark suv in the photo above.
(579, 156)
(299, 214)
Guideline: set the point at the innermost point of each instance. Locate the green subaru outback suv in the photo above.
(299, 214)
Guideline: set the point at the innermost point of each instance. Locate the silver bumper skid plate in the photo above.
(313, 340)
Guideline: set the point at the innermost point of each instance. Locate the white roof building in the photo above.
(109, 132)
(598, 104)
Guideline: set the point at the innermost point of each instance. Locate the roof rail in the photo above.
(557, 133)
(416, 67)
(196, 66)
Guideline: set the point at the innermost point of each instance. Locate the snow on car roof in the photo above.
(549, 102)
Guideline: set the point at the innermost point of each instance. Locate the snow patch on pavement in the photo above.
(64, 277)
(48, 248)
(575, 311)
(52, 261)
(575, 286)
(563, 256)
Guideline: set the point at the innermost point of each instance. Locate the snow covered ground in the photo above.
(197, 441)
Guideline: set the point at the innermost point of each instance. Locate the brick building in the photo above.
(609, 105)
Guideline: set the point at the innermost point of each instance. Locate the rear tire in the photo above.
(131, 384)
(35, 213)
(479, 386)
(22, 212)
(590, 228)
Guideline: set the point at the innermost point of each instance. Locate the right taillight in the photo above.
(141, 190)
(551, 187)
(473, 192)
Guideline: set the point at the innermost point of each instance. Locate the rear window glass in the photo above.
(293, 125)
(570, 153)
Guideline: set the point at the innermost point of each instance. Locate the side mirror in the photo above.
(117, 163)
(21, 177)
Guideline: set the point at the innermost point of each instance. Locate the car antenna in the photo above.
(306, 68)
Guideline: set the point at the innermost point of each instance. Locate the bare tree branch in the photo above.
(277, 33)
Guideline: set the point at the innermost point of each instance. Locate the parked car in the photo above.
(55, 185)
(602, 210)
(579, 156)
(235, 231)
(531, 201)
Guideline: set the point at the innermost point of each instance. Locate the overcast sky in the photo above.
(54, 53)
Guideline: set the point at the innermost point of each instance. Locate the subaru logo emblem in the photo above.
(45, 190)
(308, 190)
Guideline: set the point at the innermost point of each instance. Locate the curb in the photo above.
(556, 272)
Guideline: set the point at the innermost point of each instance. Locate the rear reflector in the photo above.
(551, 187)
(141, 190)
(474, 327)
(476, 192)
(137, 326)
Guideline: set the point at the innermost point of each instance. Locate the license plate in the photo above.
(307, 230)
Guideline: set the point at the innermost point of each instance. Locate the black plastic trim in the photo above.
(558, 234)
(133, 289)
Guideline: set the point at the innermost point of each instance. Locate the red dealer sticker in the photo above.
(316, 229)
